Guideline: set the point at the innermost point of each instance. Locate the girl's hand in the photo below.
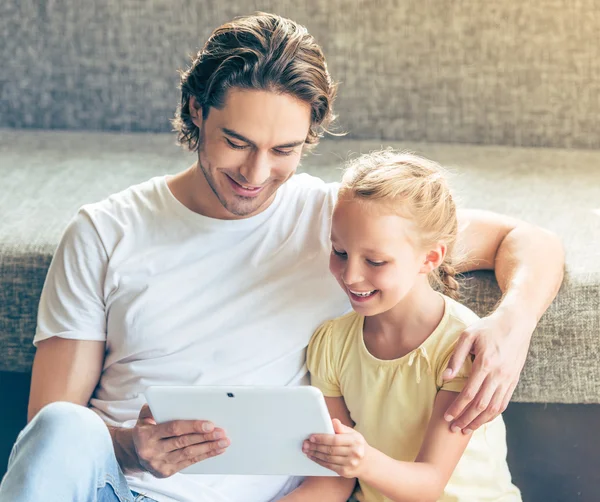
(343, 452)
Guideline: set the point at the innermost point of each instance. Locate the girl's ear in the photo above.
(196, 112)
(434, 258)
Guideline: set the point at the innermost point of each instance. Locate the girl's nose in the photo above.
(352, 273)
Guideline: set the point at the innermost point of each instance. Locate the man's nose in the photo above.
(257, 169)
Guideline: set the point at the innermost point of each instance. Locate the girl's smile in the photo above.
(372, 257)
(357, 296)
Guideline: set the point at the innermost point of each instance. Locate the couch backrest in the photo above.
(510, 72)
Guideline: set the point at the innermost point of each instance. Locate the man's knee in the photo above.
(71, 424)
(65, 447)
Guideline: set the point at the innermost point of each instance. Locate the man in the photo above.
(218, 275)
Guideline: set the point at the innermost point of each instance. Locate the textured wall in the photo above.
(502, 71)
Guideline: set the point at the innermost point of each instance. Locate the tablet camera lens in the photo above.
(230, 394)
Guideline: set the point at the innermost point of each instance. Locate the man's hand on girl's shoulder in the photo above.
(500, 348)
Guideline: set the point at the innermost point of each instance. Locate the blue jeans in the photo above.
(65, 454)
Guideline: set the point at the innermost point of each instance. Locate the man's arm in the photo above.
(69, 370)
(529, 266)
(64, 370)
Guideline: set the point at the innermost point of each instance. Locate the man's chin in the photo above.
(241, 208)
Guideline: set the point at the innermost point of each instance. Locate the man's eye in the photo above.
(341, 254)
(283, 152)
(235, 145)
(376, 263)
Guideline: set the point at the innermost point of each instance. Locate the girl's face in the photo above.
(374, 256)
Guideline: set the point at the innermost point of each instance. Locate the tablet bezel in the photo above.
(266, 425)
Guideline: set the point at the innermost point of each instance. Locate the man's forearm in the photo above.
(124, 449)
(322, 488)
(529, 268)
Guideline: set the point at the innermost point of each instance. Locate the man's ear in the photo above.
(434, 258)
(196, 112)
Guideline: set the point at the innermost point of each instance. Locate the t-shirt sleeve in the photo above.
(329, 198)
(458, 382)
(321, 362)
(72, 301)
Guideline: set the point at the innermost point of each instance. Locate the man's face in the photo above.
(249, 148)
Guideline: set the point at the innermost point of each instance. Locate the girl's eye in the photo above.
(341, 254)
(376, 263)
(235, 145)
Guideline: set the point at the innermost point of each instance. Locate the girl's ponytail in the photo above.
(447, 277)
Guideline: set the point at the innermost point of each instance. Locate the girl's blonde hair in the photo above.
(416, 188)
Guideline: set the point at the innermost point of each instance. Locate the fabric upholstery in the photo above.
(500, 72)
(46, 176)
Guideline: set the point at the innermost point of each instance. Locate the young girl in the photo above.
(380, 367)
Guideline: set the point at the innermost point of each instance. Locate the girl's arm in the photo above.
(423, 480)
(323, 488)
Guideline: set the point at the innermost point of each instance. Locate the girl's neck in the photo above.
(406, 326)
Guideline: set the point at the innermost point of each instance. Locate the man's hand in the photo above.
(343, 452)
(166, 449)
(500, 349)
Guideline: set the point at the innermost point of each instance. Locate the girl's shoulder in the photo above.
(347, 321)
(340, 327)
(457, 317)
(460, 314)
(335, 334)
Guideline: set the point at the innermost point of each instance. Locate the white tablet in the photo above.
(266, 425)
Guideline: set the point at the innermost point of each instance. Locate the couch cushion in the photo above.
(512, 73)
(46, 176)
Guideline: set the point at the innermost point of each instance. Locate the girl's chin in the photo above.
(366, 307)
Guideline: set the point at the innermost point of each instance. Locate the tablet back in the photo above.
(266, 425)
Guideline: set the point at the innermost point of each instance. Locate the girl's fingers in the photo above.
(339, 451)
(330, 459)
(332, 439)
(327, 465)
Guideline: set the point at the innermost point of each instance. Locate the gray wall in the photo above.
(498, 71)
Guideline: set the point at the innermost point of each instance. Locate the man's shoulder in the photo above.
(309, 195)
(109, 219)
(129, 203)
(144, 192)
(307, 184)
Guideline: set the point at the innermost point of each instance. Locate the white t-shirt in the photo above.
(183, 299)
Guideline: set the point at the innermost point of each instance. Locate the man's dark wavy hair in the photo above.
(264, 52)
